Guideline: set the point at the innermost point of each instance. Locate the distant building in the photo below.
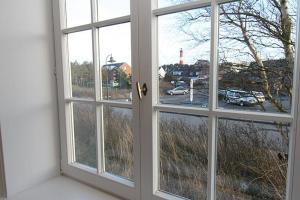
(161, 72)
(198, 71)
(123, 67)
(117, 74)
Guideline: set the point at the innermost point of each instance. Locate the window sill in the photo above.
(63, 188)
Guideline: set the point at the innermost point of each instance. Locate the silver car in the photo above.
(178, 90)
(240, 97)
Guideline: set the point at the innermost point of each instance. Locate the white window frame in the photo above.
(95, 177)
(148, 40)
(143, 18)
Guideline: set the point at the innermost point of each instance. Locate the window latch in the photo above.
(142, 90)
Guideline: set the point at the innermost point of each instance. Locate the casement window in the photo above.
(225, 127)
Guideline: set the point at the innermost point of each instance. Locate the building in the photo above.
(198, 70)
(119, 67)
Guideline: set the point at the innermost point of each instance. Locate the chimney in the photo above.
(181, 57)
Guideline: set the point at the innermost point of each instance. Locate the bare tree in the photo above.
(258, 32)
(253, 29)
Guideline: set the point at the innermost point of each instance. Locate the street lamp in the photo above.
(109, 59)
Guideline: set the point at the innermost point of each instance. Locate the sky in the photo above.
(171, 40)
(116, 39)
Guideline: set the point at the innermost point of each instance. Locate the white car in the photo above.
(240, 97)
(178, 90)
(259, 96)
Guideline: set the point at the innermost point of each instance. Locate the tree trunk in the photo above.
(286, 27)
(262, 69)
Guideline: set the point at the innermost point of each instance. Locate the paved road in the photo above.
(200, 99)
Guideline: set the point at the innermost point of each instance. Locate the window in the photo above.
(180, 99)
(80, 53)
(78, 13)
(100, 140)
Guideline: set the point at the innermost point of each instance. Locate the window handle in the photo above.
(139, 90)
(142, 90)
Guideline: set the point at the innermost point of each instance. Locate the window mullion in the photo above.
(213, 73)
(212, 132)
(94, 10)
(99, 108)
(212, 129)
(68, 108)
(293, 174)
(100, 140)
(98, 90)
(98, 97)
(181, 7)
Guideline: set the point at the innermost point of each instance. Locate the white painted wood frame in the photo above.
(96, 177)
(143, 19)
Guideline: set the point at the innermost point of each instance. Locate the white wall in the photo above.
(28, 102)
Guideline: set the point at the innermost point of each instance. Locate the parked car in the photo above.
(178, 90)
(222, 93)
(259, 96)
(240, 97)
(181, 83)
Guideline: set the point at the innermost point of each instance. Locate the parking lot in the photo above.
(200, 99)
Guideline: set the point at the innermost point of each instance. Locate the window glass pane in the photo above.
(184, 57)
(252, 159)
(118, 141)
(183, 155)
(85, 134)
(111, 9)
(81, 64)
(256, 55)
(78, 12)
(165, 3)
(115, 59)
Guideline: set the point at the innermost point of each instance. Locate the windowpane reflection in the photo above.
(118, 141)
(184, 57)
(81, 64)
(111, 9)
(78, 12)
(183, 155)
(252, 159)
(84, 116)
(165, 3)
(256, 55)
(115, 59)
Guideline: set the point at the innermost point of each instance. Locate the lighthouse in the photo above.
(181, 57)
